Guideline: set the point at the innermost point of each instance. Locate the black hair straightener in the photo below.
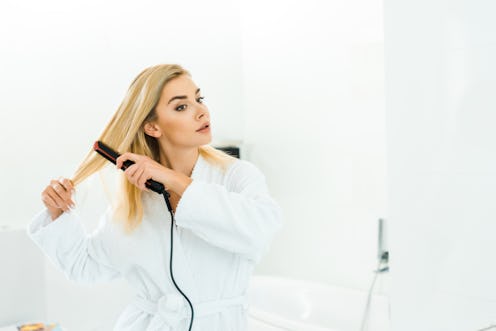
(112, 156)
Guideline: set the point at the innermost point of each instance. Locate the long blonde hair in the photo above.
(125, 133)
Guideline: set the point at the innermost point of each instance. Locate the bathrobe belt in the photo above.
(171, 309)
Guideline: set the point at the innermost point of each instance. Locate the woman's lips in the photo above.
(206, 130)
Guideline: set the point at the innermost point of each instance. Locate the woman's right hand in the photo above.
(57, 197)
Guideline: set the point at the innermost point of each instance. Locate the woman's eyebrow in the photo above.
(181, 97)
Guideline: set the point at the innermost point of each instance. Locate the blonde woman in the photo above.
(223, 213)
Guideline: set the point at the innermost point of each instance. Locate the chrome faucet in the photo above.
(382, 250)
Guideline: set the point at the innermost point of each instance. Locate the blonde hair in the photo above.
(125, 133)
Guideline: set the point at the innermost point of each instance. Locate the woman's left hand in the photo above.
(144, 168)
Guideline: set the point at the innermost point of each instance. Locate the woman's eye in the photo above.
(182, 107)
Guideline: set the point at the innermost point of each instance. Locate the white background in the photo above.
(302, 86)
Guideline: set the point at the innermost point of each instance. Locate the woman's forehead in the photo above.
(181, 85)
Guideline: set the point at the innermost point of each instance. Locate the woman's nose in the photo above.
(201, 113)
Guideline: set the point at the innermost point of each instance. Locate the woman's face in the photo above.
(181, 113)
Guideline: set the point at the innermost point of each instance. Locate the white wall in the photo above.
(25, 267)
(440, 83)
(314, 121)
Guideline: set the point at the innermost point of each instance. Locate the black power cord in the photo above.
(111, 155)
(166, 195)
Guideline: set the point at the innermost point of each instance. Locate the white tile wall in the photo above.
(440, 105)
(22, 278)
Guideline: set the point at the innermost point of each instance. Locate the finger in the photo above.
(67, 184)
(131, 171)
(59, 202)
(124, 157)
(49, 202)
(64, 193)
(141, 179)
(118, 162)
(56, 196)
(69, 187)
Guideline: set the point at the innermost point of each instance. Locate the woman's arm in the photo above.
(240, 217)
(82, 258)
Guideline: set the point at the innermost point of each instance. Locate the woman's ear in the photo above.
(152, 130)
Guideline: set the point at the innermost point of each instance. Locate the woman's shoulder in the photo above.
(242, 167)
(235, 174)
(241, 174)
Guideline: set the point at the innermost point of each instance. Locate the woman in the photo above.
(224, 215)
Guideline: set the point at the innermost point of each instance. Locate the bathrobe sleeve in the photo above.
(82, 258)
(239, 216)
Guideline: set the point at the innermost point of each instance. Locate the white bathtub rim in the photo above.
(380, 303)
(315, 284)
(283, 323)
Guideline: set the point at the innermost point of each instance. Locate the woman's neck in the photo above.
(180, 161)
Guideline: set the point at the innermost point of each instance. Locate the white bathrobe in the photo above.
(224, 224)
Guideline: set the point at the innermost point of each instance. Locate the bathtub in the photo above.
(278, 303)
